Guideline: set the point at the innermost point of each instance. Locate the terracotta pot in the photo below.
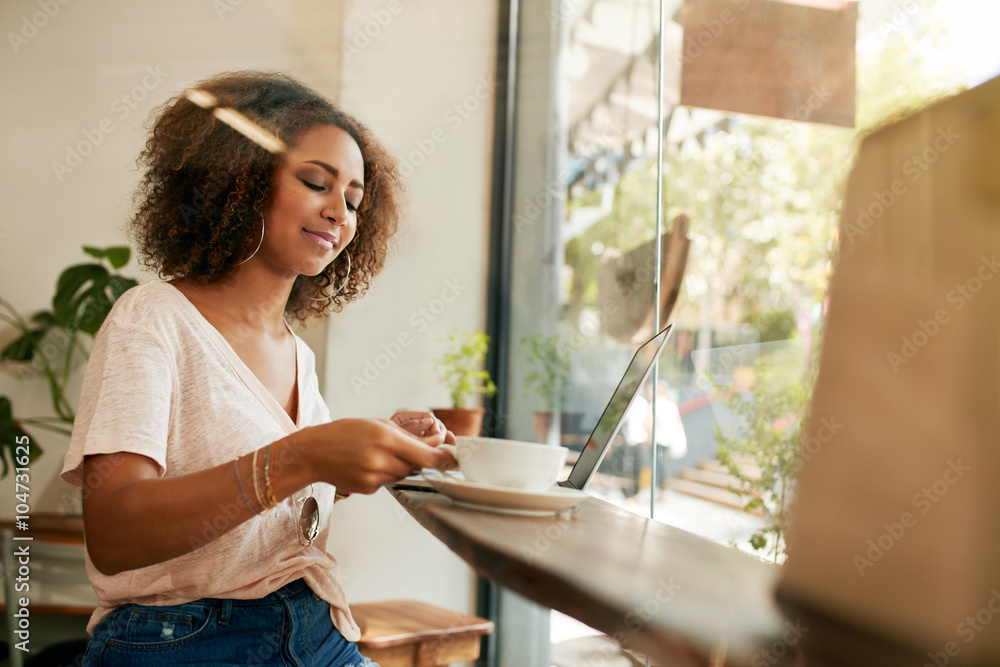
(543, 421)
(461, 421)
(569, 423)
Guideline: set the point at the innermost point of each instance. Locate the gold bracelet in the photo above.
(268, 491)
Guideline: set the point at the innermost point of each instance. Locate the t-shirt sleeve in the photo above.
(126, 399)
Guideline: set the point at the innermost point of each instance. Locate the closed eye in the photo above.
(312, 186)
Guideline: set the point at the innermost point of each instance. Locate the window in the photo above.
(762, 105)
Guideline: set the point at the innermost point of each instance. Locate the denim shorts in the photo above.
(288, 628)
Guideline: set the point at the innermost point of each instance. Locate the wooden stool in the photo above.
(405, 633)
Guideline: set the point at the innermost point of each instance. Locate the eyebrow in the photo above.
(336, 173)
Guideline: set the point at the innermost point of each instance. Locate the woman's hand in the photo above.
(424, 425)
(361, 455)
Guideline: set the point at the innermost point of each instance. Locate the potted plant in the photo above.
(460, 370)
(769, 417)
(548, 380)
(50, 342)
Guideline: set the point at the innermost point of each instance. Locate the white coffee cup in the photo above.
(512, 463)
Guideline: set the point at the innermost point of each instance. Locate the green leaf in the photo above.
(754, 504)
(94, 304)
(459, 367)
(12, 434)
(65, 303)
(119, 285)
(44, 317)
(83, 306)
(6, 410)
(118, 256)
(758, 541)
(22, 349)
(95, 310)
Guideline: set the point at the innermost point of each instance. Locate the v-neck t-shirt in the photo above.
(162, 382)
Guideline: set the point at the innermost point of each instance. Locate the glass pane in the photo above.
(764, 196)
(583, 248)
(761, 195)
(582, 288)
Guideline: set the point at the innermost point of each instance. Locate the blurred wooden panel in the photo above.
(770, 58)
(894, 528)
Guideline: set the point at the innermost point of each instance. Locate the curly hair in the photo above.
(205, 186)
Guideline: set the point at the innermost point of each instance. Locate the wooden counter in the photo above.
(650, 586)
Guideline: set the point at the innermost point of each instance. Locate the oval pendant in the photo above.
(309, 520)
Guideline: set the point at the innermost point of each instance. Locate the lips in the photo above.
(322, 239)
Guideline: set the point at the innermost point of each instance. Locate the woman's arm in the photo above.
(134, 518)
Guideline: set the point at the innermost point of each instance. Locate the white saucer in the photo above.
(503, 499)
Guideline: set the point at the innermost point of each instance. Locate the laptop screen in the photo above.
(611, 420)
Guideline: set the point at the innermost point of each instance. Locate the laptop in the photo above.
(608, 425)
(613, 417)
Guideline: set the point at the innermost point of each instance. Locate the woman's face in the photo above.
(315, 197)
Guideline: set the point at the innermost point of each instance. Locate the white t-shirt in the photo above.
(164, 383)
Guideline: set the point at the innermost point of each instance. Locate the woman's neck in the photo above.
(244, 297)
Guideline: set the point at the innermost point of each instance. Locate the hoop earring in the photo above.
(259, 243)
(342, 285)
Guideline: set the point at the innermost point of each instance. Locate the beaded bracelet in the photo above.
(243, 491)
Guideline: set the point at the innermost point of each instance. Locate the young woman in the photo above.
(207, 457)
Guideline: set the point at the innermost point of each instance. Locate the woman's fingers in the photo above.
(363, 454)
(407, 452)
(425, 426)
(414, 421)
(385, 469)
(449, 437)
(419, 451)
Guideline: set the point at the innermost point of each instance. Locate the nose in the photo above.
(337, 216)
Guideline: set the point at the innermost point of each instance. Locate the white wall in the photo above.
(65, 78)
(405, 84)
(404, 78)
